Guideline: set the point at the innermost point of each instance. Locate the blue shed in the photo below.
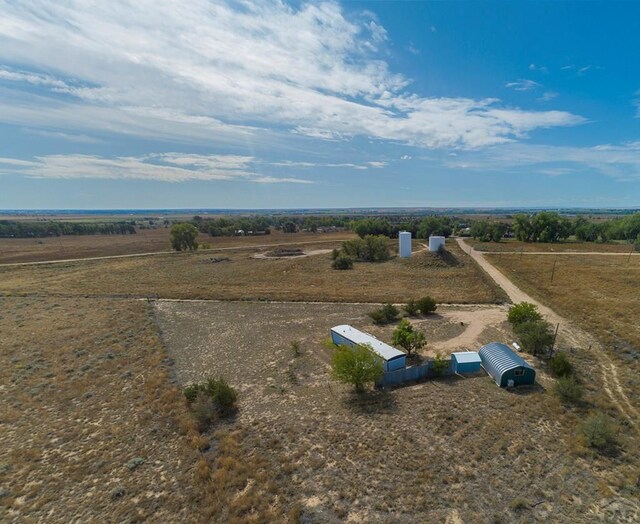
(391, 357)
(465, 362)
(505, 366)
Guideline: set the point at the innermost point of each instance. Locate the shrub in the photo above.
(357, 365)
(598, 432)
(535, 336)
(183, 237)
(560, 365)
(523, 312)
(440, 365)
(407, 337)
(342, 262)
(427, 305)
(568, 389)
(385, 315)
(411, 308)
(335, 253)
(204, 410)
(295, 348)
(221, 394)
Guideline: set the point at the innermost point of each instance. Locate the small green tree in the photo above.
(440, 365)
(407, 337)
(568, 389)
(357, 365)
(385, 315)
(560, 365)
(342, 262)
(536, 336)
(598, 432)
(183, 237)
(523, 312)
(411, 308)
(427, 305)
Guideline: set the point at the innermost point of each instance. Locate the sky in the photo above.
(158, 104)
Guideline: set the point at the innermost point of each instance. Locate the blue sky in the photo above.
(237, 104)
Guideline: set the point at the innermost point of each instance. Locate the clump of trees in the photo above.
(357, 365)
(545, 226)
(487, 231)
(387, 314)
(342, 261)
(407, 337)
(371, 248)
(424, 305)
(183, 237)
(535, 334)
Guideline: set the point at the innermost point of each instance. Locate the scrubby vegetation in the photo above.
(523, 312)
(560, 365)
(598, 432)
(385, 315)
(357, 365)
(426, 305)
(342, 262)
(210, 400)
(440, 365)
(371, 248)
(536, 336)
(411, 308)
(568, 389)
(183, 237)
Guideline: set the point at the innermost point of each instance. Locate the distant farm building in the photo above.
(435, 243)
(405, 244)
(506, 367)
(465, 362)
(391, 357)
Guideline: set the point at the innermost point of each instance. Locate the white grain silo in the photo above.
(405, 244)
(436, 243)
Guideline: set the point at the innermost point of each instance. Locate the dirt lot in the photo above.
(14, 250)
(516, 245)
(601, 293)
(454, 279)
(87, 421)
(405, 455)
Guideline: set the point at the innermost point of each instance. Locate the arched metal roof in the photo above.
(498, 358)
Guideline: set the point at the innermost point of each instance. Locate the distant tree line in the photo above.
(15, 229)
(262, 225)
(419, 228)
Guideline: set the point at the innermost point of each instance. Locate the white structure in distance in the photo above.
(405, 244)
(436, 243)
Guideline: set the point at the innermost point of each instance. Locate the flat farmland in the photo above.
(401, 455)
(88, 416)
(238, 275)
(14, 250)
(554, 247)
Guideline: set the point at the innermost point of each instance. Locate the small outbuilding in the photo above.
(391, 357)
(465, 362)
(506, 367)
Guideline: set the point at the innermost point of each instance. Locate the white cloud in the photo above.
(621, 162)
(405, 157)
(523, 84)
(204, 71)
(165, 167)
(548, 96)
(534, 67)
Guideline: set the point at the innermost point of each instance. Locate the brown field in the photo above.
(454, 450)
(85, 391)
(13, 250)
(516, 245)
(601, 293)
(455, 279)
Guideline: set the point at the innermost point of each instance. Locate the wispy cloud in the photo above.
(621, 161)
(548, 96)
(523, 84)
(225, 71)
(164, 167)
(542, 69)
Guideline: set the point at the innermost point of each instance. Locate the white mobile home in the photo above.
(391, 357)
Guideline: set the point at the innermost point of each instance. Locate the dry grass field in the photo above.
(13, 250)
(88, 424)
(455, 279)
(515, 245)
(454, 450)
(601, 293)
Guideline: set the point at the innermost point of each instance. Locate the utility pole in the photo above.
(555, 335)
(554, 269)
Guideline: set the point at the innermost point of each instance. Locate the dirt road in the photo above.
(570, 332)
